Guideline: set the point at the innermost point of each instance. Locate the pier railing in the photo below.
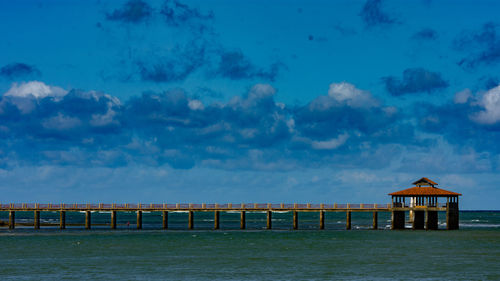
(190, 206)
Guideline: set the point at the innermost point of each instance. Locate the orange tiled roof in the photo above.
(424, 191)
(425, 180)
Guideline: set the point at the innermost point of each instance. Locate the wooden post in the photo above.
(190, 220)
(375, 220)
(295, 220)
(36, 222)
(139, 219)
(113, 219)
(242, 220)
(165, 220)
(216, 220)
(62, 219)
(269, 218)
(321, 219)
(348, 220)
(12, 219)
(87, 220)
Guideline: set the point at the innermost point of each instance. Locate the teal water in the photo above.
(471, 253)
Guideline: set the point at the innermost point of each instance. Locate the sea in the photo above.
(470, 253)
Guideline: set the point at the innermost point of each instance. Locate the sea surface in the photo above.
(471, 253)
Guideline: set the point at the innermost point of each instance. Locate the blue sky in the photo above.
(248, 101)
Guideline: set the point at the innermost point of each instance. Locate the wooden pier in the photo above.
(395, 208)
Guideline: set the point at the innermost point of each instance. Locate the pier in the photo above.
(423, 208)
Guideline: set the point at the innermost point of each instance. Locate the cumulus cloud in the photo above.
(490, 103)
(483, 46)
(415, 80)
(34, 89)
(133, 11)
(178, 14)
(252, 131)
(372, 14)
(19, 70)
(235, 65)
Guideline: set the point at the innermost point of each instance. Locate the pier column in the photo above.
(243, 220)
(113, 219)
(321, 219)
(165, 220)
(139, 219)
(87, 219)
(190, 220)
(375, 220)
(12, 219)
(348, 220)
(62, 219)
(216, 220)
(418, 220)
(269, 218)
(36, 221)
(295, 220)
(452, 216)
(398, 220)
(431, 222)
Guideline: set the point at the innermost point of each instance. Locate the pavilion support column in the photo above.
(452, 216)
(216, 220)
(139, 219)
(190, 220)
(242, 220)
(62, 219)
(348, 220)
(418, 220)
(295, 220)
(321, 219)
(113, 219)
(398, 220)
(431, 222)
(165, 220)
(36, 221)
(12, 219)
(87, 220)
(269, 223)
(375, 220)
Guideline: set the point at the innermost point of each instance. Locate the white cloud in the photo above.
(34, 89)
(332, 143)
(195, 105)
(61, 122)
(347, 93)
(462, 96)
(490, 101)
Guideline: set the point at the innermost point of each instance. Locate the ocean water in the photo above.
(471, 253)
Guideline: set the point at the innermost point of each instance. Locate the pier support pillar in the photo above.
(452, 216)
(12, 219)
(216, 220)
(139, 219)
(418, 220)
(375, 220)
(190, 220)
(432, 220)
(295, 220)
(243, 220)
(62, 219)
(348, 220)
(321, 219)
(165, 220)
(269, 220)
(113, 219)
(87, 219)
(398, 220)
(36, 220)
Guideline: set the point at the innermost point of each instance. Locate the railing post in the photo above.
(335, 205)
(309, 205)
(62, 219)
(282, 206)
(203, 205)
(321, 219)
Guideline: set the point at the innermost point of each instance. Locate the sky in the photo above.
(219, 101)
